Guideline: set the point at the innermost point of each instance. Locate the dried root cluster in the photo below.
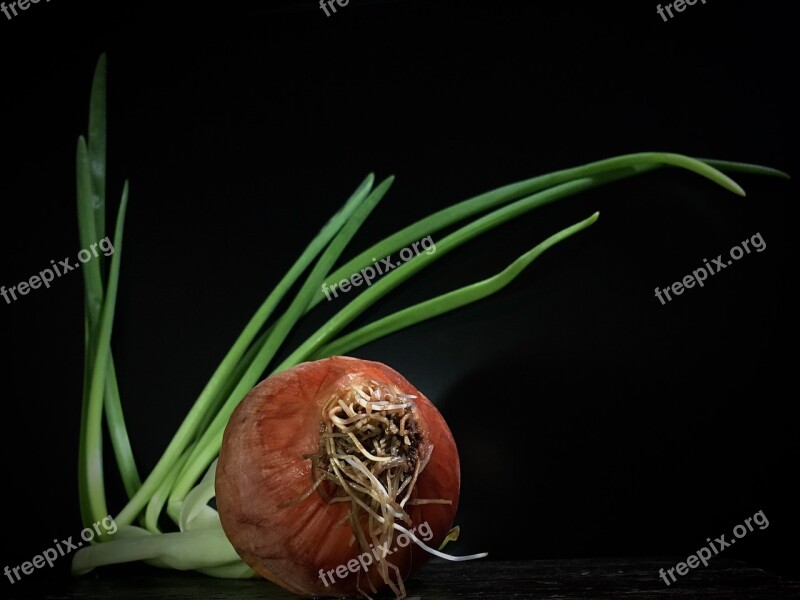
(372, 451)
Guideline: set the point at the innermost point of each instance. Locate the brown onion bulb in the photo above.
(319, 466)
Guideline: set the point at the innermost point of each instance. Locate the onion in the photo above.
(327, 462)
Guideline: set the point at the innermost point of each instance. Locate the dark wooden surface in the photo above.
(563, 579)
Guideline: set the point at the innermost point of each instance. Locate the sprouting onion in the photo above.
(182, 481)
(343, 446)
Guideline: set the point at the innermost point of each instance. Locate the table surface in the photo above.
(489, 580)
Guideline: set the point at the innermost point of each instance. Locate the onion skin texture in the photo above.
(261, 466)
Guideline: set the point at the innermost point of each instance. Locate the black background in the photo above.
(591, 420)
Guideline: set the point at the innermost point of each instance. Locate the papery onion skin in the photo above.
(261, 466)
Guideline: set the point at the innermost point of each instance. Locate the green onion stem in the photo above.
(220, 379)
(90, 470)
(639, 162)
(201, 458)
(444, 303)
(118, 432)
(161, 495)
